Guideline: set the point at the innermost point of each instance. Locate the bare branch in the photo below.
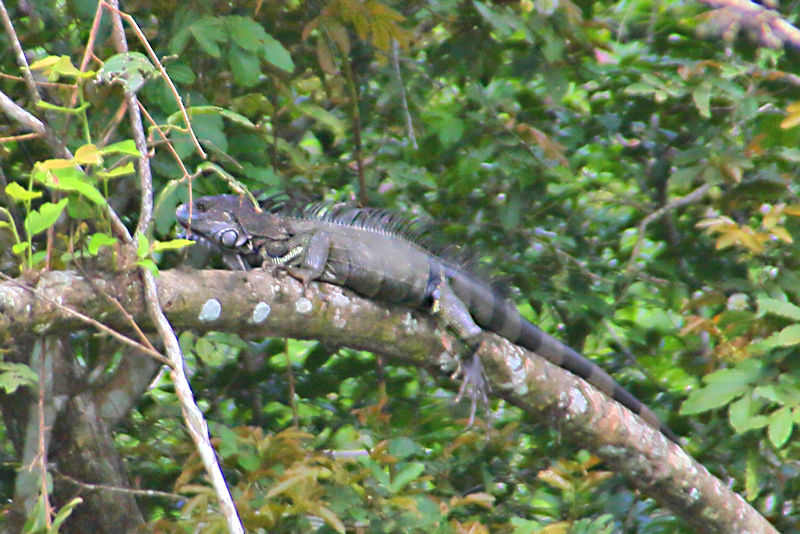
(20, 115)
(72, 312)
(262, 305)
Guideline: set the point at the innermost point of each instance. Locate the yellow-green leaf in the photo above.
(128, 168)
(98, 240)
(20, 194)
(88, 155)
(173, 244)
(54, 164)
(43, 218)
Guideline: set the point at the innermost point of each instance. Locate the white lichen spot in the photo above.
(338, 299)
(410, 321)
(447, 362)
(339, 321)
(577, 400)
(694, 494)
(261, 312)
(303, 305)
(211, 311)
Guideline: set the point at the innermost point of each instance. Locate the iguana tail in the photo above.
(498, 315)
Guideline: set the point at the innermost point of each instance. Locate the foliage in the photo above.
(627, 166)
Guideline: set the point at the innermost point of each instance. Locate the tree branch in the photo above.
(767, 25)
(255, 304)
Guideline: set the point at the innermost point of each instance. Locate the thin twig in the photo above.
(161, 69)
(118, 489)
(691, 198)
(164, 138)
(404, 102)
(21, 137)
(355, 113)
(42, 454)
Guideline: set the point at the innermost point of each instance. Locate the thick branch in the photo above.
(255, 304)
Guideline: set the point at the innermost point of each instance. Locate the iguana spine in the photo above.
(368, 251)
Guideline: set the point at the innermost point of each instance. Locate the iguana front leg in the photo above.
(456, 316)
(305, 257)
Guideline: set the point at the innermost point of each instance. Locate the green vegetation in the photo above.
(628, 167)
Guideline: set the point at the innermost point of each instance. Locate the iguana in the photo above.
(376, 254)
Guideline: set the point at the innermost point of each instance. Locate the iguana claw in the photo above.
(473, 381)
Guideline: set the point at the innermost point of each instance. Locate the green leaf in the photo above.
(131, 69)
(778, 307)
(782, 393)
(124, 170)
(785, 338)
(780, 426)
(19, 248)
(148, 264)
(174, 244)
(245, 66)
(245, 32)
(228, 440)
(20, 194)
(71, 180)
(702, 98)
(752, 475)
(38, 257)
(324, 117)
(208, 31)
(127, 147)
(403, 447)
(249, 461)
(743, 415)
(263, 175)
(98, 240)
(63, 514)
(14, 375)
(407, 474)
(198, 111)
(56, 66)
(45, 217)
(274, 52)
(722, 387)
(142, 246)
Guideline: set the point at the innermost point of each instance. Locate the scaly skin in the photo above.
(366, 251)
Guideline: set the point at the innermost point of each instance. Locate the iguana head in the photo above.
(233, 222)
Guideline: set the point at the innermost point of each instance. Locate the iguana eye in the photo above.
(228, 238)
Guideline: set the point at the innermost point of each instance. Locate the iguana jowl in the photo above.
(368, 251)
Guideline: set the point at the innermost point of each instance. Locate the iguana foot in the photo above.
(473, 382)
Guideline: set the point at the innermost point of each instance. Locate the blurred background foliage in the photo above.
(626, 167)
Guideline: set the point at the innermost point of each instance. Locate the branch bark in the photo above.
(255, 304)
